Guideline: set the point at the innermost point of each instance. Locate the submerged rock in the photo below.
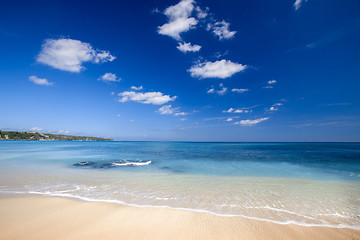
(111, 164)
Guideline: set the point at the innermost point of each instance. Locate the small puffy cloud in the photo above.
(36, 129)
(174, 28)
(229, 119)
(270, 82)
(221, 29)
(274, 107)
(211, 90)
(137, 88)
(179, 19)
(221, 91)
(249, 122)
(156, 98)
(69, 54)
(239, 90)
(181, 10)
(218, 69)
(297, 4)
(169, 110)
(63, 132)
(109, 77)
(187, 47)
(40, 81)
(201, 14)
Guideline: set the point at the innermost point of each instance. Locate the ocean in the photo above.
(312, 184)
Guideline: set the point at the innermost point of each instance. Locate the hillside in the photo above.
(13, 135)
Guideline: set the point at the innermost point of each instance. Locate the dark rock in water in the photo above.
(111, 164)
(80, 164)
(93, 164)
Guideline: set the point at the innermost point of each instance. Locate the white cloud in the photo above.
(271, 81)
(174, 28)
(40, 81)
(251, 122)
(239, 90)
(118, 115)
(221, 29)
(297, 4)
(274, 107)
(63, 132)
(109, 77)
(229, 119)
(183, 119)
(229, 111)
(180, 114)
(211, 90)
(137, 88)
(268, 87)
(156, 98)
(187, 47)
(181, 10)
(185, 15)
(240, 110)
(222, 91)
(36, 129)
(278, 104)
(201, 14)
(69, 54)
(219, 69)
(179, 19)
(169, 110)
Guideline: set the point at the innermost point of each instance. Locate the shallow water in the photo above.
(305, 183)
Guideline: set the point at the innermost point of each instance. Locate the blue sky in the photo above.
(182, 70)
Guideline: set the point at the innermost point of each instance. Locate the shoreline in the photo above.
(118, 202)
(30, 216)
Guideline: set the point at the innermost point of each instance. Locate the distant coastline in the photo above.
(35, 136)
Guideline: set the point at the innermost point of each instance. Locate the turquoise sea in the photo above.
(302, 183)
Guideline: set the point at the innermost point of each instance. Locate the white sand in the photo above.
(34, 217)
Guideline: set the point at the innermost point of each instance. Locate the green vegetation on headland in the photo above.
(13, 135)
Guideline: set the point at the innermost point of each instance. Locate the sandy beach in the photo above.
(41, 217)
